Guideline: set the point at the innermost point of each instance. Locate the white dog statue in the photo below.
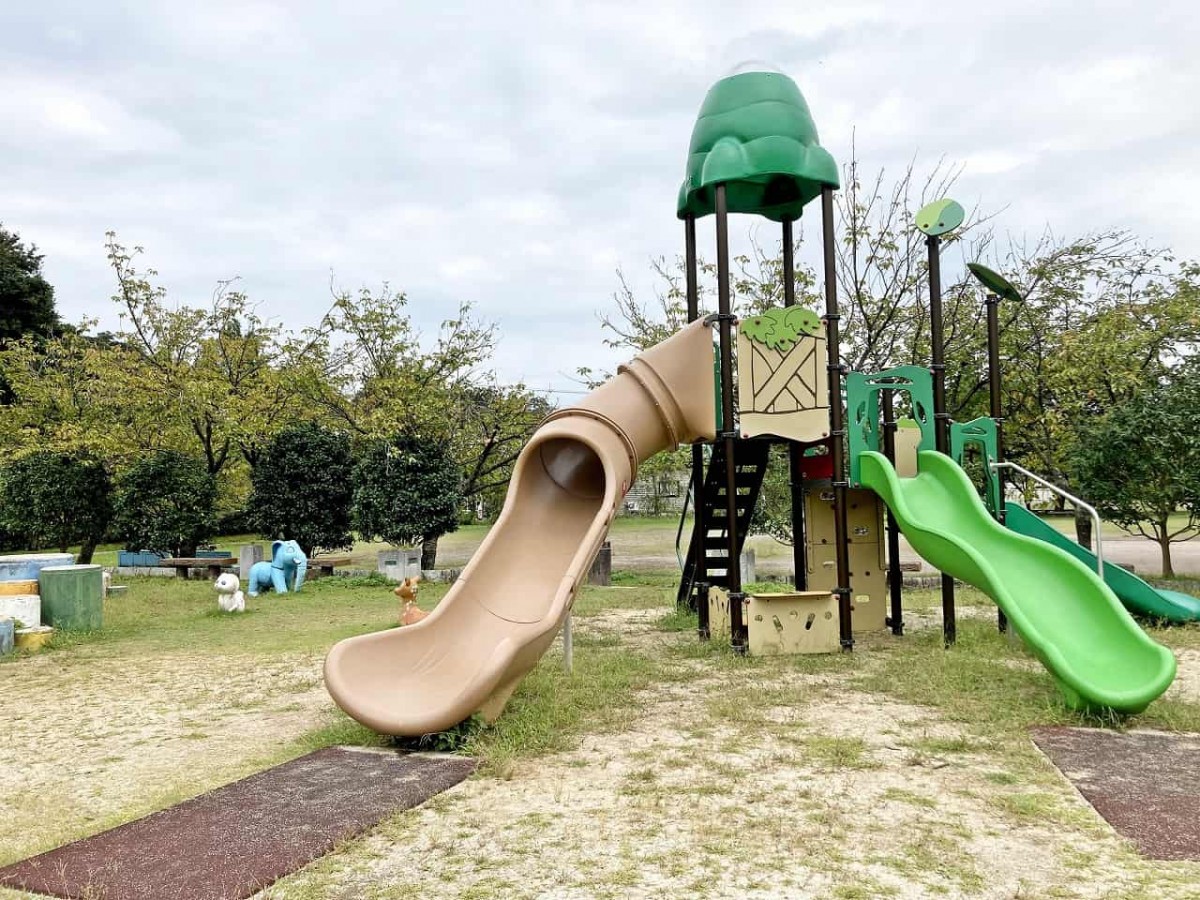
(229, 593)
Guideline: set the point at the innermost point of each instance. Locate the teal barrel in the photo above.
(72, 597)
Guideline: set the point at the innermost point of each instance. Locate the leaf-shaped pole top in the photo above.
(994, 282)
(940, 217)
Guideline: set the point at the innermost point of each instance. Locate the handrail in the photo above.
(1086, 507)
(687, 497)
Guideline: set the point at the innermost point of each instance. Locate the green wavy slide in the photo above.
(1139, 598)
(1068, 617)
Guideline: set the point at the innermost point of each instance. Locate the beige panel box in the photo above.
(868, 580)
(797, 622)
(864, 516)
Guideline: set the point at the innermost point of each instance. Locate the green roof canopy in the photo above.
(755, 134)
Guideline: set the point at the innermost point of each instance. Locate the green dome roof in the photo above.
(755, 133)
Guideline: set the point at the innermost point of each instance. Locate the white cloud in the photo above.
(515, 155)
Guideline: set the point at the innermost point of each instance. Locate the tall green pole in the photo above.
(737, 630)
(795, 450)
(837, 421)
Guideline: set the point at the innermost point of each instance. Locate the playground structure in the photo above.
(754, 150)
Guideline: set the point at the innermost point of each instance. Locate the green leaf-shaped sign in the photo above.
(994, 282)
(940, 216)
(779, 328)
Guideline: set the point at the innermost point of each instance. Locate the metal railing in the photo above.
(1071, 498)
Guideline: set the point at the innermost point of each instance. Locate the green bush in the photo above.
(406, 491)
(56, 500)
(166, 502)
(303, 488)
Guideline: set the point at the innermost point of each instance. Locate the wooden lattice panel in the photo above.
(783, 392)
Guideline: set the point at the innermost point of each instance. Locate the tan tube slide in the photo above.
(502, 614)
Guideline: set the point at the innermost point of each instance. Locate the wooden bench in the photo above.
(213, 564)
(319, 566)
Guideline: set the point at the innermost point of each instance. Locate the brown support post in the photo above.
(699, 587)
(837, 422)
(997, 413)
(941, 418)
(795, 449)
(737, 630)
(895, 578)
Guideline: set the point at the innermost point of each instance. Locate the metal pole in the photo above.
(837, 422)
(795, 450)
(699, 588)
(997, 413)
(737, 632)
(895, 579)
(568, 646)
(941, 418)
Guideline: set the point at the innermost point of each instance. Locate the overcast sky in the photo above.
(513, 155)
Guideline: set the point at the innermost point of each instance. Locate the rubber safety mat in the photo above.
(1146, 784)
(237, 839)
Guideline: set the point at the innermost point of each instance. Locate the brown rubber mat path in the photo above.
(237, 839)
(1146, 784)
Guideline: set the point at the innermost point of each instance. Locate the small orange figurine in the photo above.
(410, 614)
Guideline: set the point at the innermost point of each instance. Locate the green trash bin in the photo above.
(72, 597)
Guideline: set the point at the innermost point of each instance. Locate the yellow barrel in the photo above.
(33, 638)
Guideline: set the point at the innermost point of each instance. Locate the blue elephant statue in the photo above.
(284, 572)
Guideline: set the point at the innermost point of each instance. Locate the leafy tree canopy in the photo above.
(57, 500)
(26, 298)
(302, 488)
(1139, 464)
(165, 502)
(406, 490)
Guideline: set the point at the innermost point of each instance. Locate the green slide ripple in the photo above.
(1138, 596)
(1069, 618)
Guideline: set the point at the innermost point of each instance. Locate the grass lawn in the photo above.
(662, 766)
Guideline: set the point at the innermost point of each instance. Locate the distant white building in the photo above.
(657, 495)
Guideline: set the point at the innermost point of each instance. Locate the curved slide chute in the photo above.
(1139, 597)
(503, 612)
(1070, 619)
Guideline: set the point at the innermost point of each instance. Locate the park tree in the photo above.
(60, 400)
(165, 502)
(1139, 462)
(302, 488)
(26, 297)
(492, 424)
(406, 492)
(376, 375)
(214, 379)
(56, 500)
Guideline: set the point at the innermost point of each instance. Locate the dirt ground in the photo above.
(674, 807)
(724, 786)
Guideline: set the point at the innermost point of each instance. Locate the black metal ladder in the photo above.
(713, 568)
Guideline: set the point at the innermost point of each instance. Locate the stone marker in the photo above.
(400, 563)
(248, 555)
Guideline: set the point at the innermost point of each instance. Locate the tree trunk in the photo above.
(429, 554)
(1164, 544)
(1083, 528)
(85, 552)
